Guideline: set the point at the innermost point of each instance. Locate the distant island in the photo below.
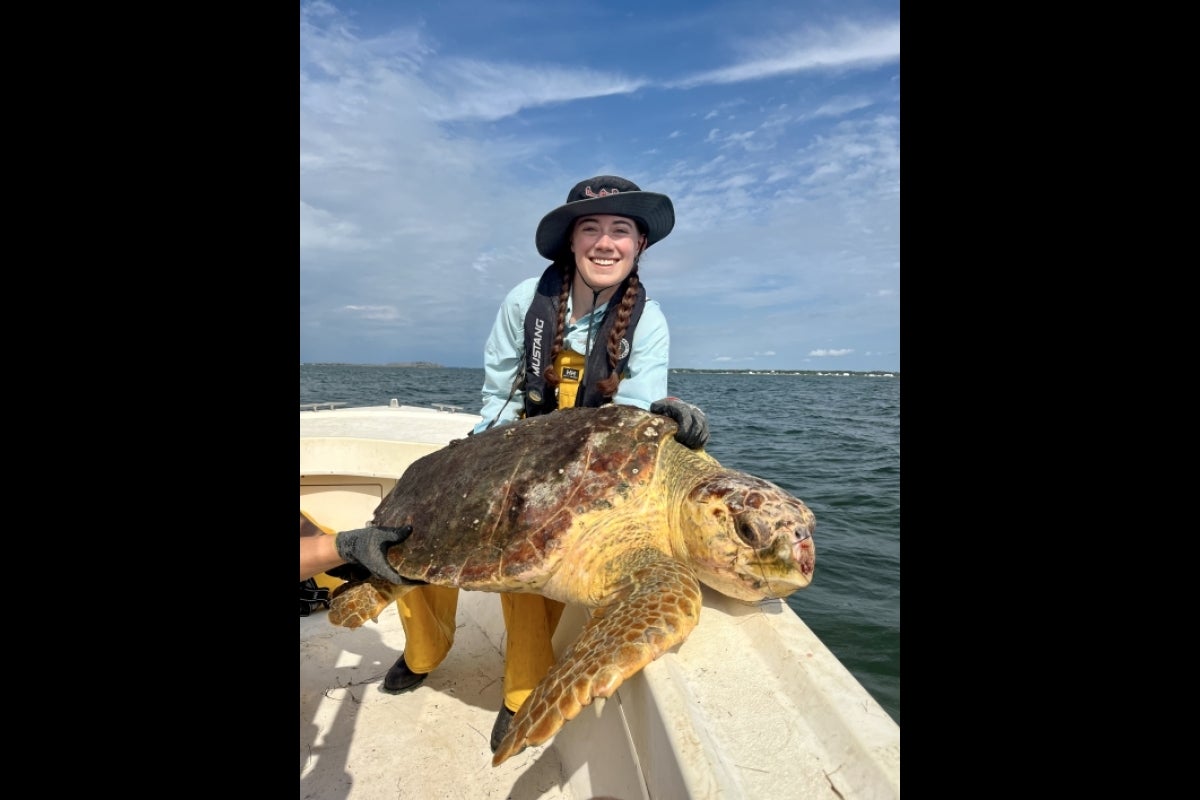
(870, 373)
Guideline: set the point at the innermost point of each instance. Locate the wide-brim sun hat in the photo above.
(604, 194)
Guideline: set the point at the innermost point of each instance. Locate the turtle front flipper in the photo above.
(654, 611)
(352, 604)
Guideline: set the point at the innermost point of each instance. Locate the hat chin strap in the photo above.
(595, 292)
(587, 344)
(587, 348)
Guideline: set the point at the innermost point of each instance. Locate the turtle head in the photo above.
(747, 538)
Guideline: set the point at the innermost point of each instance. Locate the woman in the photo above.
(584, 333)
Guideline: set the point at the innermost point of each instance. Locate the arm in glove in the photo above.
(693, 424)
(369, 546)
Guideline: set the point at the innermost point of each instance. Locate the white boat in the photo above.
(752, 705)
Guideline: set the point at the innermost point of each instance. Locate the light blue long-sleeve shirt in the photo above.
(646, 369)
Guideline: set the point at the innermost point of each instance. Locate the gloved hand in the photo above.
(693, 424)
(369, 546)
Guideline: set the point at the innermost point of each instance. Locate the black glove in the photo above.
(693, 425)
(369, 546)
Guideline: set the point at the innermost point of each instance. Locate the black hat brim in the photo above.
(654, 209)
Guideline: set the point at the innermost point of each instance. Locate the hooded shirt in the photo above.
(646, 379)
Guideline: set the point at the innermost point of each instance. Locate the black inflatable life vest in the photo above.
(539, 342)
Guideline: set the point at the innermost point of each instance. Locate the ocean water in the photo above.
(831, 440)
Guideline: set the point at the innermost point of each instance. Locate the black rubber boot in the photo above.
(402, 679)
(500, 728)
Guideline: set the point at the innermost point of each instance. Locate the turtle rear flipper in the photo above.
(352, 604)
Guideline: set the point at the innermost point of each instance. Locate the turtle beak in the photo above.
(804, 553)
(798, 557)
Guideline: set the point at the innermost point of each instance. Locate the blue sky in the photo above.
(434, 137)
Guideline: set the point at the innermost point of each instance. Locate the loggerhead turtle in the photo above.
(596, 506)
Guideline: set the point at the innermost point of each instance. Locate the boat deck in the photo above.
(357, 741)
(737, 721)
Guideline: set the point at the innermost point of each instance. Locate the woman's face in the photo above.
(605, 247)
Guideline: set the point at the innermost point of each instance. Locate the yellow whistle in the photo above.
(569, 366)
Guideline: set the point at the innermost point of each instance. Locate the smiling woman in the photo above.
(596, 240)
(582, 335)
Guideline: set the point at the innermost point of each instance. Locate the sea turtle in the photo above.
(596, 506)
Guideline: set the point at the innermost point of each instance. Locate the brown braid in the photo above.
(560, 325)
(608, 386)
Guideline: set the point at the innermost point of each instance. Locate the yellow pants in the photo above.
(428, 616)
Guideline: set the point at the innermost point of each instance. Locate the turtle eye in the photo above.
(750, 532)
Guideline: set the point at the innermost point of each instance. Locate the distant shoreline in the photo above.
(877, 373)
(427, 364)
